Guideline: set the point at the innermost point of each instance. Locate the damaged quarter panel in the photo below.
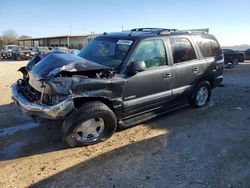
(80, 86)
(110, 89)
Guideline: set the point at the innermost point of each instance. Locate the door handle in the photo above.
(167, 76)
(196, 69)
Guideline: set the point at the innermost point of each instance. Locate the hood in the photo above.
(54, 63)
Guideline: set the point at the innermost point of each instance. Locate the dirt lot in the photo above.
(208, 147)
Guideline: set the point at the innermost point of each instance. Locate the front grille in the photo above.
(33, 95)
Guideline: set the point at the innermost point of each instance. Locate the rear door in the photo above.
(151, 88)
(188, 67)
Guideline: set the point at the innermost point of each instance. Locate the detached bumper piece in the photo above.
(43, 111)
(218, 81)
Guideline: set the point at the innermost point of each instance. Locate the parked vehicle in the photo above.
(61, 49)
(7, 51)
(247, 54)
(119, 80)
(21, 53)
(234, 57)
(40, 50)
(75, 51)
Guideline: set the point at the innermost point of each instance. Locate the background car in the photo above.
(21, 53)
(39, 50)
(75, 51)
(7, 51)
(234, 57)
(247, 54)
(61, 49)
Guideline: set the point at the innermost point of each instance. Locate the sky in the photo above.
(228, 20)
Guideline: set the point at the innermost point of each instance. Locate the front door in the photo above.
(152, 87)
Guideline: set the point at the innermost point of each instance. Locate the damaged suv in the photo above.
(119, 80)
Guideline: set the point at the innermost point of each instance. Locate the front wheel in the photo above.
(93, 122)
(235, 61)
(201, 94)
(13, 57)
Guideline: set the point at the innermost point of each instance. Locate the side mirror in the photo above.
(137, 66)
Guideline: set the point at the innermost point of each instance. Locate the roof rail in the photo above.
(146, 29)
(166, 31)
(159, 31)
(163, 31)
(206, 30)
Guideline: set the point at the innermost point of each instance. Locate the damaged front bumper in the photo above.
(43, 111)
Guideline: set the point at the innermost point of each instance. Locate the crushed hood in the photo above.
(54, 63)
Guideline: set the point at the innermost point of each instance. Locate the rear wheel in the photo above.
(18, 58)
(92, 123)
(235, 61)
(201, 94)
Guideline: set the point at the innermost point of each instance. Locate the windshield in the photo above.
(34, 49)
(42, 49)
(9, 47)
(106, 51)
(227, 50)
(23, 48)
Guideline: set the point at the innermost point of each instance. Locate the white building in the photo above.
(70, 41)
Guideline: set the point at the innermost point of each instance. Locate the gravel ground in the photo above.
(207, 147)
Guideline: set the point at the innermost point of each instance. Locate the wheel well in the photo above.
(80, 101)
(208, 78)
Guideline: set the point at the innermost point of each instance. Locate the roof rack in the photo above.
(206, 30)
(163, 31)
(166, 31)
(156, 30)
(146, 29)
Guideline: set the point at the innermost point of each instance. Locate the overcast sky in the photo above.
(228, 20)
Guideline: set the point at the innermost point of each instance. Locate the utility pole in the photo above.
(69, 34)
(70, 29)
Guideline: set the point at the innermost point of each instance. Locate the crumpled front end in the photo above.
(51, 84)
(31, 103)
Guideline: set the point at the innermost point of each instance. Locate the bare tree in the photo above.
(1, 42)
(24, 37)
(9, 37)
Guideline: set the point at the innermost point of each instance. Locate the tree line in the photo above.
(10, 37)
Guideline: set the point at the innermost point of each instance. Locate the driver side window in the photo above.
(152, 52)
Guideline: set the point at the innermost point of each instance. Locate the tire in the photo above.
(203, 88)
(18, 57)
(76, 127)
(235, 61)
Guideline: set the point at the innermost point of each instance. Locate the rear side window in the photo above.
(208, 45)
(182, 50)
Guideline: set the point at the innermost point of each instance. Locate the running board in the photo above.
(137, 119)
